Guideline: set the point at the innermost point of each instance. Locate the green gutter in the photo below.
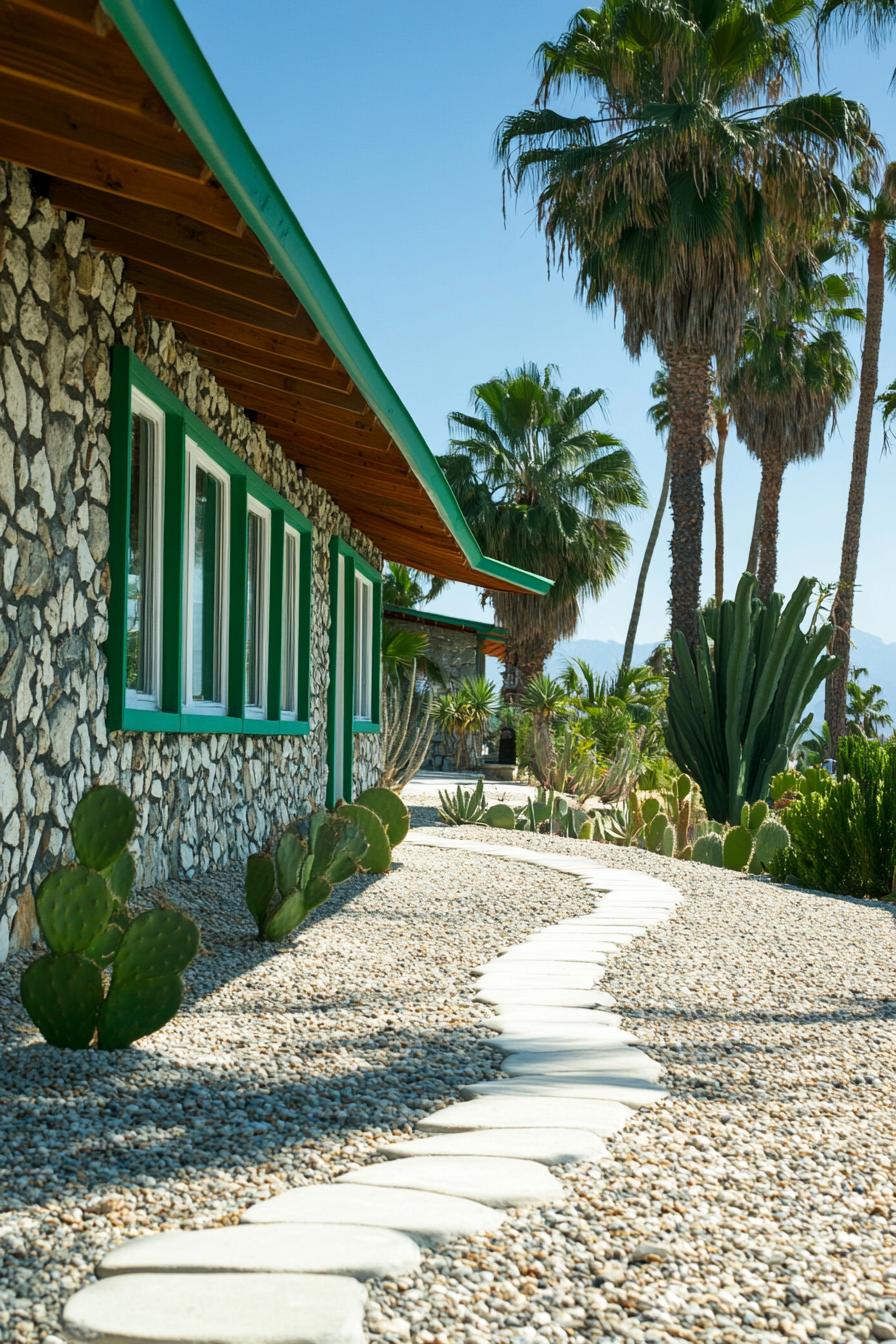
(163, 44)
(433, 618)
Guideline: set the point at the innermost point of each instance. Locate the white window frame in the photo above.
(148, 410)
(292, 542)
(260, 710)
(197, 457)
(362, 711)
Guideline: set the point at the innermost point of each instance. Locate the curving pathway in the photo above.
(293, 1271)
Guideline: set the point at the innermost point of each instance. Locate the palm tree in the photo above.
(658, 414)
(874, 226)
(691, 184)
(793, 374)
(543, 698)
(404, 587)
(867, 712)
(545, 491)
(876, 19)
(721, 415)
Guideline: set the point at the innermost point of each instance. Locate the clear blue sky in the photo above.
(377, 122)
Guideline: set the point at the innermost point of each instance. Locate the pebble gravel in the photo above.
(757, 1202)
(287, 1065)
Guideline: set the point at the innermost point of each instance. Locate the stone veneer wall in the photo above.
(204, 800)
(455, 653)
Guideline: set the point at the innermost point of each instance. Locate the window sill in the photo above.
(365, 726)
(160, 721)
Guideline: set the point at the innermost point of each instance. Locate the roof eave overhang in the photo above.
(158, 36)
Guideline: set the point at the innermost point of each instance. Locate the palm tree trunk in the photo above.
(753, 557)
(842, 609)
(649, 549)
(689, 395)
(721, 440)
(770, 499)
(523, 660)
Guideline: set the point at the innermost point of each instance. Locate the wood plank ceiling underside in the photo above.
(77, 108)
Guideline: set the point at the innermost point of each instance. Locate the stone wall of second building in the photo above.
(203, 800)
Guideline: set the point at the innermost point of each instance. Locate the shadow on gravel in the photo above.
(136, 1118)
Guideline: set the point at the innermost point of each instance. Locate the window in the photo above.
(205, 585)
(258, 566)
(363, 708)
(144, 554)
(289, 649)
(210, 568)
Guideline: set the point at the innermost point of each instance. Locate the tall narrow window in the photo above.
(207, 549)
(258, 549)
(289, 669)
(363, 647)
(144, 576)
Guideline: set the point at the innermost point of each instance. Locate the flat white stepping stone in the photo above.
(558, 997)
(541, 977)
(566, 956)
(624, 1063)
(561, 938)
(554, 1147)
(362, 1252)
(522, 1112)
(582, 1086)
(553, 1036)
(522, 1016)
(503, 1182)
(218, 1309)
(430, 1218)
(565, 949)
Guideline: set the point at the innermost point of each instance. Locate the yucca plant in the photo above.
(736, 702)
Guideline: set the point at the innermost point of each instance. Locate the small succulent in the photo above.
(463, 807)
(83, 916)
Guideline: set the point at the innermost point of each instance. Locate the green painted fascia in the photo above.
(166, 49)
(433, 618)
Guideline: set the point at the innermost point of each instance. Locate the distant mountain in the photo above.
(604, 654)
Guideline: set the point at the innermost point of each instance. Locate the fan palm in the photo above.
(867, 712)
(544, 491)
(874, 227)
(794, 372)
(404, 587)
(690, 184)
(658, 414)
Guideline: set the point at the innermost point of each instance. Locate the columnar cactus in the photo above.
(83, 916)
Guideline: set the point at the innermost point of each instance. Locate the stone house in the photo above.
(202, 466)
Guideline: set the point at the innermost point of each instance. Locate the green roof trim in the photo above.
(159, 37)
(481, 628)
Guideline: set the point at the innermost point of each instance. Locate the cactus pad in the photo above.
(338, 847)
(135, 1008)
(650, 809)
(102, 824)
(737, 848)
(586, 830)
(378, 856)
(62, 996)
(158, 943)
(73, 908)
(103, 948)
(261, 882)
(390, 810)
(771, 838)
(500, 815)
(120, 876)
(290, 856)
(758, 814)
(708, 849)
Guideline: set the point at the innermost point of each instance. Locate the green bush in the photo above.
(843, 837)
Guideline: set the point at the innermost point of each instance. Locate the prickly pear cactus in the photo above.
(62, 996)
(135, 1008)
(337, 846)
(158, 942)
(391, 811)
(378, 855)
(102, 824)
(708, 849)
(291, 854)
(261, 887)
(73, 908)
(500, 815)
(737, 847)
(586, 830)
(771, 838)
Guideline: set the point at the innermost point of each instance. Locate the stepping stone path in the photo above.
(293, 1271)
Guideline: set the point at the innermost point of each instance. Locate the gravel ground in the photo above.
(287, 1066)
(757, 1203)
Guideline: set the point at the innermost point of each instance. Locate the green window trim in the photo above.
(353, 563)
(172, 714)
